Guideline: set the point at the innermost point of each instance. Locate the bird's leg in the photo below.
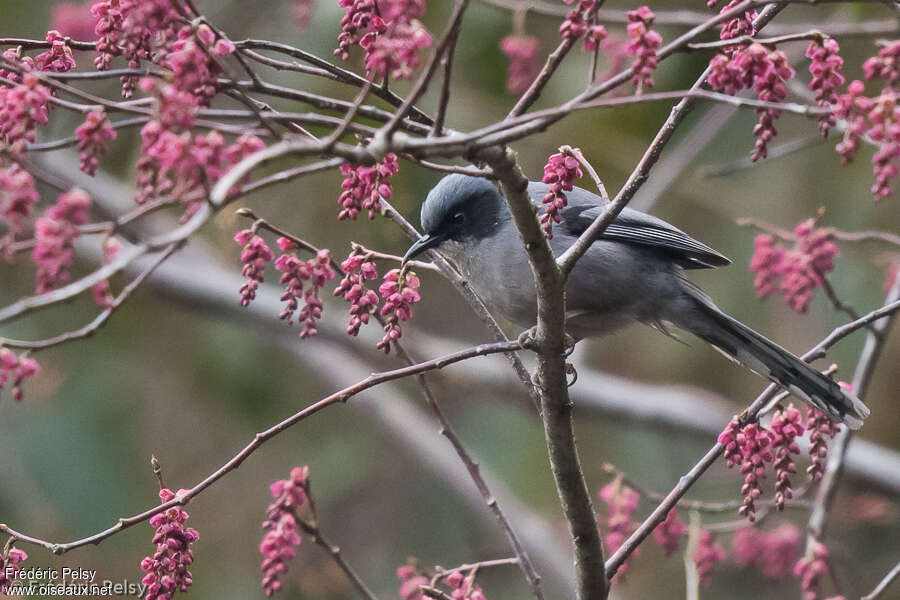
(569, 345)
(526, 338)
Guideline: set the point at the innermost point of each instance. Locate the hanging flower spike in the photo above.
(621, 502)
(810, 568)
(294, 273)
(22, 108)
(821, 429)
(825, 67)
(728, 438)
(594, 37)
(303, 12)
(395, 52)
(58, 58)
(755, 444)
(20, 60)
(736, 27)
(281, 527)
(521, 50)
(786, 426)
(669, 532)
(399, 294)
(886, 65)
(54, 234)
(575, 25)
(767, 256)
(770, 86)
(773, 552)
(643, 45)
(73, 19)
(101, 291)
(708, 555)
(561, 170)
(885, 131)
(364, 187)
(363, 302)
(410, 582)
(18, 197)
(255, 256)
(167, 570)
(93, 137)
(361, 17)
(853, 107)
(9, 567)
(464, 588)
(17, 368)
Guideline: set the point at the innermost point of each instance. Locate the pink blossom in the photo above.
(58, 58)
(560, 172)
(363, 302)
(821, 428)
(101, 290)
(886, 65)
(18, 368)
(93, 137)
(708, 555)
(399, 294)
(303, 12)
(593, 37)
(800, 270)
(73, 19)
(575, 23)
(810, 568)
(410, 582)
(281, 527)
(167, 570)
(364, 187)
(18, 196)
(22, 61)
(885, 131)
(192, 69)
(395, 51)
(22, 109)
(853, 107)
(255, 256)
(825, 67)
(295, 272)
(361, 17)
(9, 566)
(54, 234)
(522, 52)
(644, 44)
(464, 588)
(773, 552)
(786, 426)
(621, 502)
(751, 447)
(669, 532)
(736, 27)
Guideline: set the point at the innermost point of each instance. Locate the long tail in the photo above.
(740, 343)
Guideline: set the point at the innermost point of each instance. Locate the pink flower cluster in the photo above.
(390, 33)
(192, 68)
(22, 109)
(295, 272)
(18, 196)
(810, 568)
(644, 44)
(73, 19)
(736, 27)
(410, 582)
(255, 255)
(20, 60)
(9, 566)
(668, 533)
(575, 24)
(621, 502)
(93, 137)
(772, 552)
(399, 291)
(19, 368)
(786, 426)
(801, 269)
(523, 67)
(364, 187)
(821, 429)
(750, 447)
(281, 527)
(464, 588)
(363, 302)
(101, 291)
(58, 58)
(54, 234)
(825, 67)
(766, 72)
(561, 170)
(709, 554)
(303, 12)
(167, 570)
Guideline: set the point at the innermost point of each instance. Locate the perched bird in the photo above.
(634, 272)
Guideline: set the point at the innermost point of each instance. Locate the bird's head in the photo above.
(460, 208)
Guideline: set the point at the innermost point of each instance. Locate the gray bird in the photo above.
(634, 272)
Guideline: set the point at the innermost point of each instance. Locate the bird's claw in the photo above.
(569, 345)
(526, 339)
(570, 370)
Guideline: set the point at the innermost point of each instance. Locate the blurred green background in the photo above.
(186, 377)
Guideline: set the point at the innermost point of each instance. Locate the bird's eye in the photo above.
(459, 217)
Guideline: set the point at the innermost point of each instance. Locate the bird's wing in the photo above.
(633, 227)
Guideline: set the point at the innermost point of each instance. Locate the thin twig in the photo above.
(884, 584)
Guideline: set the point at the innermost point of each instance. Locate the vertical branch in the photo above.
(549, 343)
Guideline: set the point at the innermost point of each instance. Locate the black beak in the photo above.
(424, 243)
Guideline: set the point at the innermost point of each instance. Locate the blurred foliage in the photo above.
(165, 378)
